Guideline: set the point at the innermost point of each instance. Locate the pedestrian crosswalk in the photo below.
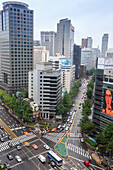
(16, 141)
(78, 150)
(55, 137)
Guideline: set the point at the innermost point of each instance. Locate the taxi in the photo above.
(27, 144)
(35, 146)
(26, 133)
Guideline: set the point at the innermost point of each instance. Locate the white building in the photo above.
(104, 45)
(48, 39)
(67, 74)
(45, 88)
(96, 53)
(109, 53)
(87, 58)
(40, 54)
(56, 61)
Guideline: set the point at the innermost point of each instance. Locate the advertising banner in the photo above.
(66, 62)
(108, 102)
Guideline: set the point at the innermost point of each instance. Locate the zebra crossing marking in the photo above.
(78, 150)
(55, 137)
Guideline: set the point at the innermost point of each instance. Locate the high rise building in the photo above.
(45, 88)
(87, 58)
(87, 42)
(65, 38)
(40, 54)
(48, 39)
(77, 60)
(16, 45)
(103, 99)
(104, 45)
(84, 43)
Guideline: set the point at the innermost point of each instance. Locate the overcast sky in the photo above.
(89, 17)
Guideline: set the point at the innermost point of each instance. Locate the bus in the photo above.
(55, 158)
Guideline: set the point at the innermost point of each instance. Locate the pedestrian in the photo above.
(90, 159)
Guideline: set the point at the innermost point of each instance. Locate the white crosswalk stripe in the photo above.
(16, 141)
(55, 137)
(78, 150)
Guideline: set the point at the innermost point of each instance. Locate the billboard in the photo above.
(108, 102)
(66, 62)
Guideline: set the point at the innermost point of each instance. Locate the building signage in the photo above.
(66, 62)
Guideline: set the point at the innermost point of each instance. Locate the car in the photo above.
(42, 158)
(18, 158)
(3, 134)
(66, 128)
(9, 137)
(71, 121)
(26, 133)
(35, 146)
(46, 147)
(82, 140)
(2, 140)
(1, 127)
(86, 163)
(18, 147)
(52, 164)
(68, 120)
(27, 144)
(10, 144)
(73, 168)
(7, 165)
(10, 157)
(59, 126)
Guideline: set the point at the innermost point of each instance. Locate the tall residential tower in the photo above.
(16, 45)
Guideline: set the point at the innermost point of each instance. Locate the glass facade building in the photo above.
(16, 45)
(103, 100)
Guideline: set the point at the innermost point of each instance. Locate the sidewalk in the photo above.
(100, 161)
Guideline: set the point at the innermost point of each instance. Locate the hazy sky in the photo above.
(89, 17)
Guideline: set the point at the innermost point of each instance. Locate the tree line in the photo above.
(19, 107)
(68, 99)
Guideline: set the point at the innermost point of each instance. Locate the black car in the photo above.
(1, 127)
(18, 147)
(3, 134)
(10, 144)
(2, 139)
(9, 137)
(10, 157)
(52, 164)
(7, 165)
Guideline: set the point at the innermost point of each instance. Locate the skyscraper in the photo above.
(87, 42)
(104, 45)
(48, 39)
(16, 45)
(84, 43)
(77, 60)
(65, 38)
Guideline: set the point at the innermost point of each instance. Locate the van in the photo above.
(42, 158)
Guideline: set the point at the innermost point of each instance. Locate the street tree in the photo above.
(89, 92)
(61, 109)
(67, 101)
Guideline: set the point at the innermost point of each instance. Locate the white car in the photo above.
(42, 158)
(18, 158)
(82, 140)
(46, 147)
(66, 128)
(71, 121)
(59, 126)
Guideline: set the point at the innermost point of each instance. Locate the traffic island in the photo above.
(61, 146)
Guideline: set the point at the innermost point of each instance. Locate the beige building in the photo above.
(40, 54)
(67, 76)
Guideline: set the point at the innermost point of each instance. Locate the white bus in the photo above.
(52, 155)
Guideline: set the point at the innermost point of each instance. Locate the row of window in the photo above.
(22, 18)
(15, 28)
(21, 32)
(24, 11)
(18, 35)
(20, 14)
(14, 24)
(22, 42)
(14, 45)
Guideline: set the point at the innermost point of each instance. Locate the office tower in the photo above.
(36, 43)
(16, 45)
(65, 38)
(87, 58)
(104, 45)
(40, 54)
(77, 60)
(48, 40)
(84, 43)
(96, 53)
(83, 70)
(45, 88)
(67, 74)
(103, 99)
(89, 42)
